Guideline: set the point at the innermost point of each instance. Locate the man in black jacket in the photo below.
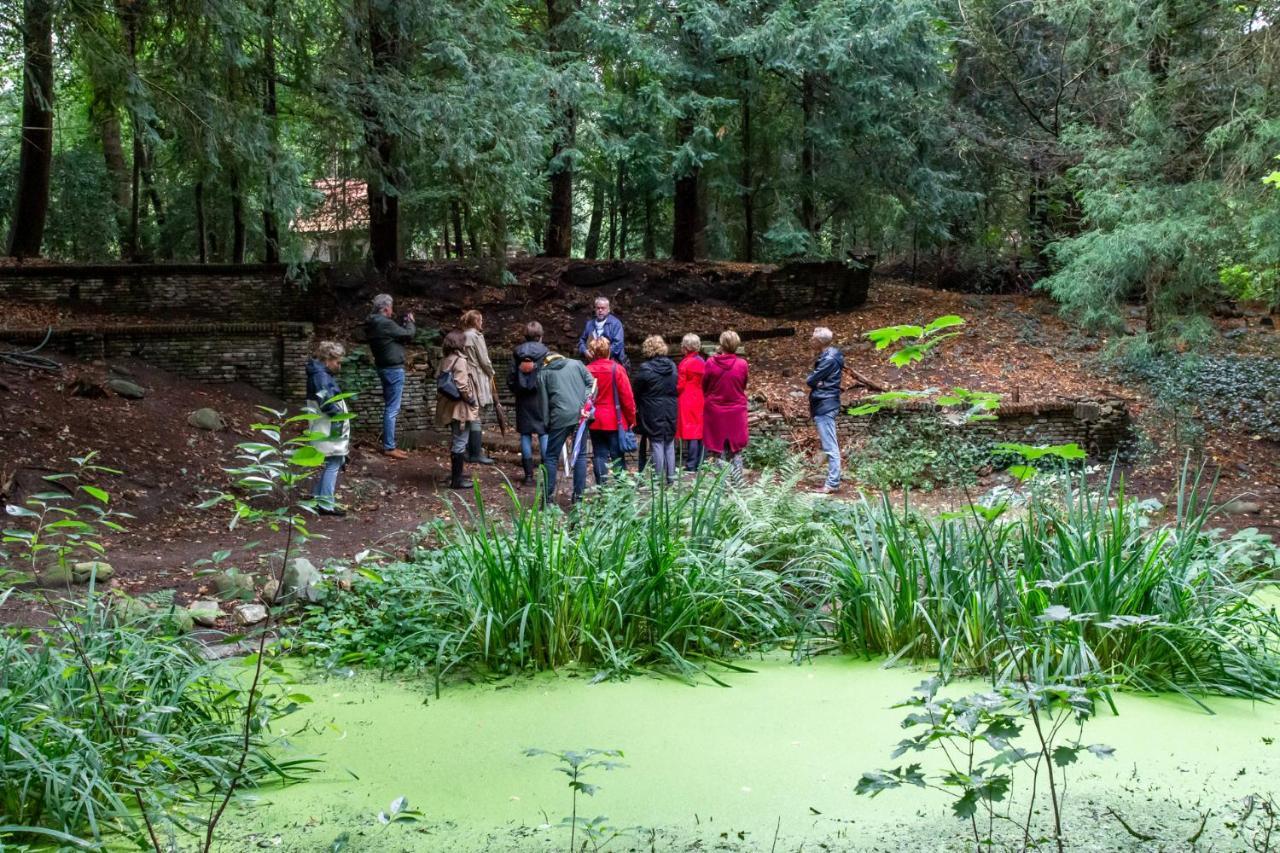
(526, 359)
(824, 401)
(386, 341)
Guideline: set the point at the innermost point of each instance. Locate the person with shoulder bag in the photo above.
(611, 435)
(522, 380)
(331, 424)
(477, 352)
(456, 404)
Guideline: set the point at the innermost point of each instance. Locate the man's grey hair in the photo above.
(601, 300)
(382, 301)
(823, 335)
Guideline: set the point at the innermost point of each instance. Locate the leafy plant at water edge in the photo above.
(273, 470)
(978, 736)
(574, 763)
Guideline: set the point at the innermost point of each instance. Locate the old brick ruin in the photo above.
(251, 324)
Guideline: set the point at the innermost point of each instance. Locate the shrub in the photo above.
(918, 452)
(768, 453)
(105, 716)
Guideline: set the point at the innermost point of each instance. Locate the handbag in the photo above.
(626, 437)
(446, 386)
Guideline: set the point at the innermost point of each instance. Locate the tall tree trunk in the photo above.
(270, 226)
(105, 115)
(613, 226)
(473, 234)
(688, 222)
(202, 233)
(455, 213)
(35, 154)
(650, 247)
(384, 200)
(748, 183)
(622, 208)
(808, 204)
(444, 239)
(134, 243)
(237, 221)
(558, 241)
(153, 195)
(592, 250)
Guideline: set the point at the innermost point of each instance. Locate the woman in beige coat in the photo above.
(477, 351)
(459, 415)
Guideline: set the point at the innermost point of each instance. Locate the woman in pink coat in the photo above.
(689, 393)
(724, 422)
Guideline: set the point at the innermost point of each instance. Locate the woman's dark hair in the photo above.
(455, 341)
(533, 331)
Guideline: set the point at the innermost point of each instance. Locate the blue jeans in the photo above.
(826, 425)
(551, 461)
(693, 453)
(392, 390)
(526, 445)
(327, 485)
(605, 448)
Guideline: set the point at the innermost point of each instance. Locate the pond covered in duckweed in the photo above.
(768, 763)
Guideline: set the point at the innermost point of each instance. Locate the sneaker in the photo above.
(332, 510)
(395, 453)
(830, 490)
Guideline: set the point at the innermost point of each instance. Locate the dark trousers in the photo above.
(556, 440)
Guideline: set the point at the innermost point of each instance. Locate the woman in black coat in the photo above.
(654, 384)
(526, 361)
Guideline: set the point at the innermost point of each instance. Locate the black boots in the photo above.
(457, 462)
(475, 448)
(527, 463)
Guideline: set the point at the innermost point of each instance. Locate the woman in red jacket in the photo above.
(613, 399)
(724, 426)
(689, 392)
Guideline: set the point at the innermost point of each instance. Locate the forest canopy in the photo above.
(1111, 150)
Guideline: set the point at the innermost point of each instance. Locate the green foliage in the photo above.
(768, 453)
(575, 763)
(53, 530)
(1152, 607)
(103, 716)
(919, 451)
(978, 735)
(674, 579)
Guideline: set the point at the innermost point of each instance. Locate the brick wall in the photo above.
(1101, 427)
(812, 285)
(245, 292)
(417, 407)
(269, 356)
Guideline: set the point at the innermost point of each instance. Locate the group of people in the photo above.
(663, 411)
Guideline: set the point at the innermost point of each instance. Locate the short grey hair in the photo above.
(600, 300)
(381, 301)
(326, 350)
(691, 343)
(823, 335)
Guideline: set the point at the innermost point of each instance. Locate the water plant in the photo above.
(666, 578)
(574, 764)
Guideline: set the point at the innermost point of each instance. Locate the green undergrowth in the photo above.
(680, 579)
(105, 719)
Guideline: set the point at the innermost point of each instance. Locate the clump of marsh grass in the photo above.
(106, 723)
(1152, 606)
